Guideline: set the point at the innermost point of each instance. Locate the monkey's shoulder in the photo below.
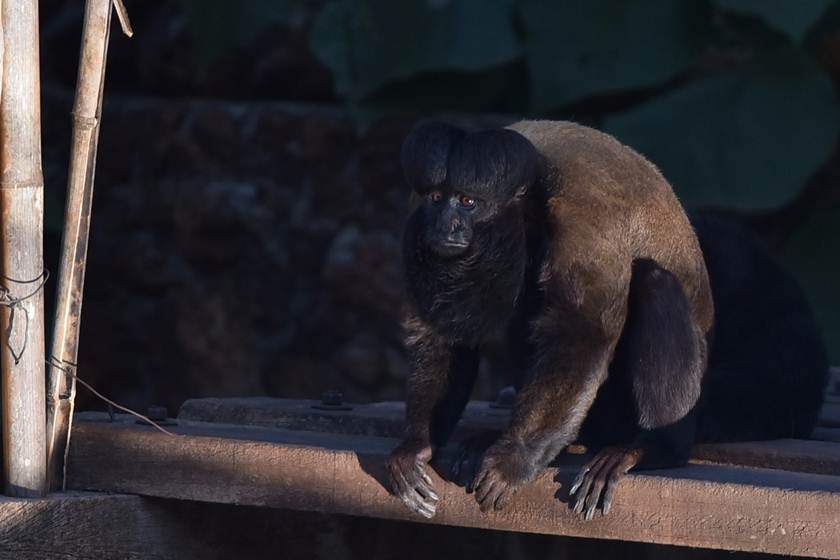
(585, 162)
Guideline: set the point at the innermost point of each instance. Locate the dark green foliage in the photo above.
(579, 49)
(731, 98)
(792, 18)
(812, 254)
(218, 26)
(749, 139)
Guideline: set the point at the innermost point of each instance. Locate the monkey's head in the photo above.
(464, 182)
(464, 246)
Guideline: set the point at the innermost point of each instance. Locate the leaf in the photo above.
(811, 253)
(219, 26)
(794, 18)
(579, 48)
(368, 44)
(749, 140)
(450, 91)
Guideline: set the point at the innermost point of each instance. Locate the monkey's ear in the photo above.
(521, 192)
(425, 152)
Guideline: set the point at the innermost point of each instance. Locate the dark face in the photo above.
(469, 186)
(450, 217)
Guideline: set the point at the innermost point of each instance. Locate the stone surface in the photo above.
(238, 249)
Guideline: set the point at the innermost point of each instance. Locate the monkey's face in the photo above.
(448, 221)
(467, 187)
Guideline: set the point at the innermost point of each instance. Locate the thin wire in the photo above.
(15, 303)
(67, 369)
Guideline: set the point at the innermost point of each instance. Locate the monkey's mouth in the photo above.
(450, 247)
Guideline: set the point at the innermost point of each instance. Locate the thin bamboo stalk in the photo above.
(21, 253)
(87, 112)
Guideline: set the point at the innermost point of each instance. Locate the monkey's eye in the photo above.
(466, 201)
(435, 196)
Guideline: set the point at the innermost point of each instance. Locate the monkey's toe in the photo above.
(600, 476)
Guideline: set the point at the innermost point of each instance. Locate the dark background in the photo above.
(245, 234)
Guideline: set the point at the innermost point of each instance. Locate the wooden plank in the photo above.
(386, 419)
(97, 526)
(21, 254)
(85, 526)
(706, 506)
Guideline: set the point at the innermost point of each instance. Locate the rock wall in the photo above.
(238, 249)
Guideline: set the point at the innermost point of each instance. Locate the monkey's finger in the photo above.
(483, 489)
(413, 502)
(459, 462)
(492, 495)
(426, 492)
(421, 470)
(399, 485)
(503, 499)
(409, 497)
(477, 479)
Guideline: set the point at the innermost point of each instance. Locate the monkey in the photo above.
(768, 366)
(578, 245)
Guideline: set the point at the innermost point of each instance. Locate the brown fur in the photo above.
(595, 208)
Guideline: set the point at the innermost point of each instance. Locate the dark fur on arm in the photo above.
(439, 385)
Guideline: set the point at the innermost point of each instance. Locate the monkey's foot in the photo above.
(468, 458)
(504, 470)
(409, 480)
(601, 475)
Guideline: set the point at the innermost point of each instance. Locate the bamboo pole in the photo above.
(21, 253)
(87, 113)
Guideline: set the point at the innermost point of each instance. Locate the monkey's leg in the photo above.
(574, 345)
(663, 356)
(439, 387)
(471, 451)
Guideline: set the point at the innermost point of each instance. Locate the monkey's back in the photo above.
(610, 205)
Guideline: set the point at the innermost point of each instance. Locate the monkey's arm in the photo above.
(574, 341)
(439, 386)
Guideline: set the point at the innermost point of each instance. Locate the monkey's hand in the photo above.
(506, 467)
(409, 479)
(469, 455)
(601, 474)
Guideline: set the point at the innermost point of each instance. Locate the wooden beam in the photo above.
(79, 525)
(88, 526)
(21, 254)
(387, 419)
(705, 506)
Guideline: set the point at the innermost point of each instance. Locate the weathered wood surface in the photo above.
(97, 526)
(83, 526)
(386, 419)
(21, 253)
(706, 506)
(87, 112)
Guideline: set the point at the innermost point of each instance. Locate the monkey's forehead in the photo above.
(497, 161)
